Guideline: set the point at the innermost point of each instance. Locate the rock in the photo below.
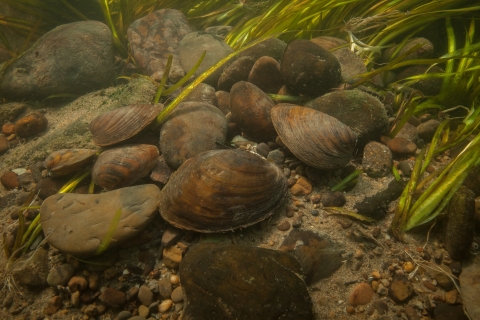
(53, 305)
(377, 160)
(193, 127)
(165, 288)
(171, 236)
(11, 111)
(161, 172)
(202, 93)
(223, 101)
(428, 86)
(271, 47)
(94, 310)
(124, 315)
(314, 74)
(31, 125)
(143, 311)
(145, 295)
(425, 50)
(333, 199)
(460, 227)
(451, 296)
(276, 156)
(361, 295)
(60, 274)
(177, 294)
(77, 283)
(400, 289)
(362, 112)
(94, 281)
(263, 149)
(237, 71)
(411, 313)
(132, 293)
(470, 286)
(264, 284)
(82, 63)
(250, 109)
(444, 311)
(408, 132)
(77, 223)
(284, 225)
(380, 306)
(265, 74)
(172, 257)
(4, 146)
(302, 187)
(154, 37)
(165, 305)
(10, 180)
(328, 43)
(351, 64)
(444, 278)
(48, 187)
(32, 269)
(426, 130)
(317, 255)
(194, 44)
(404, 167)
(219, 31)
(402, 146)
(371, 197)
(113, 298)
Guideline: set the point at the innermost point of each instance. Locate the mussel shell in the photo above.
(123, 166)
(221, 190)
(63, 162)
(314, 137)
(120, 124)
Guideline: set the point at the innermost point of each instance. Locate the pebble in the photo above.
(265, 74)
(404, 167)
(132, 293)
(165, 288)
(451, 296)
(4, 146)
(75, 298)
(143, 311)
(263, 149)
(276, 156)
(172, 257)
(237, 71)
(426, 130)
(380, 306)
(31, 125)
(382, 290)
(32, 269)
(377, 159)
(444, 281)
(408, 132)
(411, 313)
(408, 266)
(110, 273)
(400, 289)
(333, 199)
(177, 294)
(362, 294)
(94, 281)
(283, 226)
(145, 295)
(53, 305)
(124, 315)
(165, 305)
(429, 286)
(402, 146)
(113, 298)
(445, 311)
(60, 274)
(315, 213)
(171, 236)
(10, 180)
(358, 254)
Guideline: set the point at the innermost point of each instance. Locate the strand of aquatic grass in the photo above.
(32, 225)
(396, 174)
(342, 184)
(187, 76)
(161, 86)
(405, 112)
(35, 234)
(109, 235)
(345, 212)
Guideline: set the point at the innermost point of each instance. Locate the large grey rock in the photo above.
(154, 37)
(73, 58)
(224, 281)
(78, 223)
(192, 47)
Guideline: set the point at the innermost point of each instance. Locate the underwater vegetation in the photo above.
(370, 28)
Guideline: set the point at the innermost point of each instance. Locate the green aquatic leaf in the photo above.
(109, 235)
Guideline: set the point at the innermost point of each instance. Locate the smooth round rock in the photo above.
(426, 130)
(237, 71)
(402, 146)
(223, 101)
(333, 199)
(309, 69)
(145, 295)
(351, 64)
(77, 223)
(60, 274)
(361, 294)
(177, 294)
(224, 281)
(113, 298)
(400, 289)
(271, 47)
(31, 125)
(377, 159)
(10, 180)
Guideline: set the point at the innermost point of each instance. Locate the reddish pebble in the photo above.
(4, 146)
(8, 129)
(10, 180)
(362, 294)
(402, 146)
(301, 187)
(31, 125)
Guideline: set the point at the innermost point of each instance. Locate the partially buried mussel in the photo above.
(221, 190)
(319, 140)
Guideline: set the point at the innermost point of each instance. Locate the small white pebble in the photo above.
(174, 279)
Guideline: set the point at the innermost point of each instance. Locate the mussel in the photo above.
(118, 125)
(319, 140)
(123, 166)
(221, 190)
(63, 162)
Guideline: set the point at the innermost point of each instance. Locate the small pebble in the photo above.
(165, 288)
(124, 315)
(165, 305)
(174, 279)
(315, 213)
(177, 294)
(143, 311)
(283, 226)
(10, 180)
(77, 283)
(362, 294)
(358, 254)
(408, 266)
(145, 295)
(402, 146)
(400, 289)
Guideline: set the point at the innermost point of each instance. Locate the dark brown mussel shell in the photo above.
(221, 190)
(63, 162)
(118, 125)
(319, 140)
(123, 166)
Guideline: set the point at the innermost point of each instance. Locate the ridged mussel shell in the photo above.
(319, 140)
(221, 190)
(63, 162)
(122, 166)
(118, 125)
